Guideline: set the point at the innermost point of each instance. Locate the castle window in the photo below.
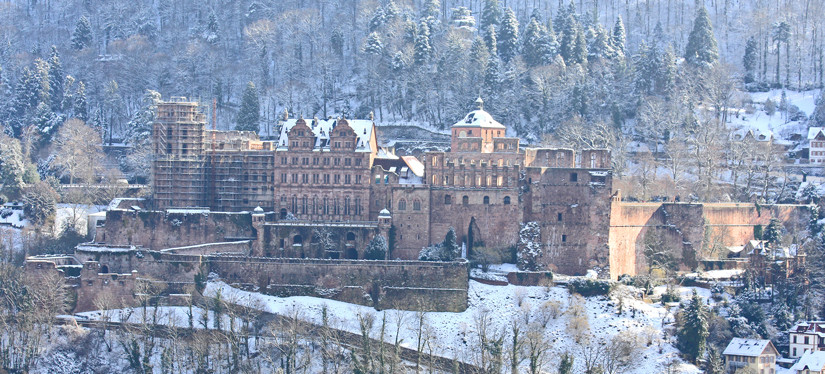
(337, 161)
(357, 179)
(326, 178)
(315, 160)
(326, 160)
(337, 179)
(304, 178)
(377, 179)
(470, 133)
(499, 180)
(486, 200)
(357, 162)
(506, 200)
(564, 238)
(297, 240)
(386, 179)
(347, 179)
(465, 200)
(402, 204)
(416, 204)
(447, 200)
(295, 161)
(574, 177)
(592, 160)
(558, 217)
(435, 161)
(305, 161)
(489, 180)
(315, 178)
(347, 161)
(283, 160)
(350, 237)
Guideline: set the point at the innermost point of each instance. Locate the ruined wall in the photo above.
(572, 207)
(160, 230)
(497, 220)
(690, 231)
(401, 284)
(411, 229)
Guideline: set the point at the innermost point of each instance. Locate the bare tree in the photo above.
(78, 151)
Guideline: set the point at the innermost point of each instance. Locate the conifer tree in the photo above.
(701, 49)
(451, 249)
(212, 34)
(82, 35)
(750, 59)
(376, 249)
(491, 40)
(533, 40)
(492, 75)
(714, 363)
(508, 36)
(250, 112)
(693, 330)
(600, 45)
(490, 15)
(773, 233)
(569, 34)
(80, 105)
(56, 79)
(666, 77)
(423, 50)
(617, 39)
(373, 44)
(579, 55)
(431, 11)
(781, 33)
(566, 364)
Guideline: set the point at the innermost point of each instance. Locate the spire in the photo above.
(480, 103)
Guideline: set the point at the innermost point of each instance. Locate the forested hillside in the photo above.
(587, 72)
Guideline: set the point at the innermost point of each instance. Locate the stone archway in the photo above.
(474, 238)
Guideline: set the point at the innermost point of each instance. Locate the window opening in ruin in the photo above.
(350, 237)
(564, 238)
(486, 200)
(506, 200)
(447, 200)
(558, 217)
(416, 205)
(402, 204)
(297, 240)
(352, 254)
(465, 200)
(574, 177)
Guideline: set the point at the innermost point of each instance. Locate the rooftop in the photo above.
(747, 347)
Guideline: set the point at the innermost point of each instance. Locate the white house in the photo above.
(816, 145)
(810, 363)
(756, 354)
(806, 336)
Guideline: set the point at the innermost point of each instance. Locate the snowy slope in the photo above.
(454, 333)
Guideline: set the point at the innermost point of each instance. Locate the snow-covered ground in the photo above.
(777, 123)
(173, 316)
(77, 213)
(455, 334)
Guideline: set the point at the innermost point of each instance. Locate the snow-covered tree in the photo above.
(529, 248)
(533, 43)
(818, 116)
(780, 33)
(701, 49)
(376, 249)
(773, 233)
(80, 105)
(491, 14)
(82, 35)
(491, 39)
(447, 250)
(751, 59)
(249, 115)
(617, 38)
(422, 50)
(693, 332)
(508, 36)
(40, 202)
(56, 80)
(373, 44)
(12, 165)
(462, 17)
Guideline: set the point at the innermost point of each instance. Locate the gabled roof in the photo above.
(814, 131)
(747, 347)
(322, 128)
(753, 133)
(479, 118)
(813, 361)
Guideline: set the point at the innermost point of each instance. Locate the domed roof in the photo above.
(479, 118)
(258, 209)
(384, 213)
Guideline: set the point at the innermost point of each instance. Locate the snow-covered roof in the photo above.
(813, 132)
(747, 347)
(479, 118)
(813, 361)
(809, 327)
(384, 213)
(416, 167)
(322, 128)
(755, 133)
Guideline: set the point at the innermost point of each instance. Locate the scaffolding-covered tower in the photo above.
(179, 167)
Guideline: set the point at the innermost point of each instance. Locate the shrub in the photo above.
(589, 287)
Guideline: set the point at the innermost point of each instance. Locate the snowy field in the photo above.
(455, 335)
(778, 123)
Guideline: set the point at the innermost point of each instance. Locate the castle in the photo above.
(328, 179)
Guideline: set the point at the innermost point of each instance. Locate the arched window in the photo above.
(506, 200)
(486, 200)
(465, 200)
(402, 204)
(416, 204)
(350, 236)
(297, 240)
(447, 200)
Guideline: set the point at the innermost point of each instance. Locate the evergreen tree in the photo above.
(82, 35)
(508, 41)
(566, 364)
(423, 49)
(569, 34)
(491, 39)
(376, 249)
(490, 15)
(714, 363)
(12, 165)
(617, 39)
(249, 114)
(56, 80)
(533, 40)
(693, 330)
(647, 69)
(80, 105)
(781, 33)
(750, 59)
(46, 121)
(701, 49)
(377, 19)
(579, 55)
(451, 248)
(818, 116)
(773, 233)
(212, 34)
(492, 75)
(431, 11)
(373, 44)
(139, 128)
(600, 47)
(666, 78)
(26, 98)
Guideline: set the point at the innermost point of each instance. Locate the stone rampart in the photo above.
(159, 230)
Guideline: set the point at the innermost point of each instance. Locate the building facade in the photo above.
(331, 171)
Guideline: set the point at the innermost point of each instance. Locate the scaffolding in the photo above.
(179, 167)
